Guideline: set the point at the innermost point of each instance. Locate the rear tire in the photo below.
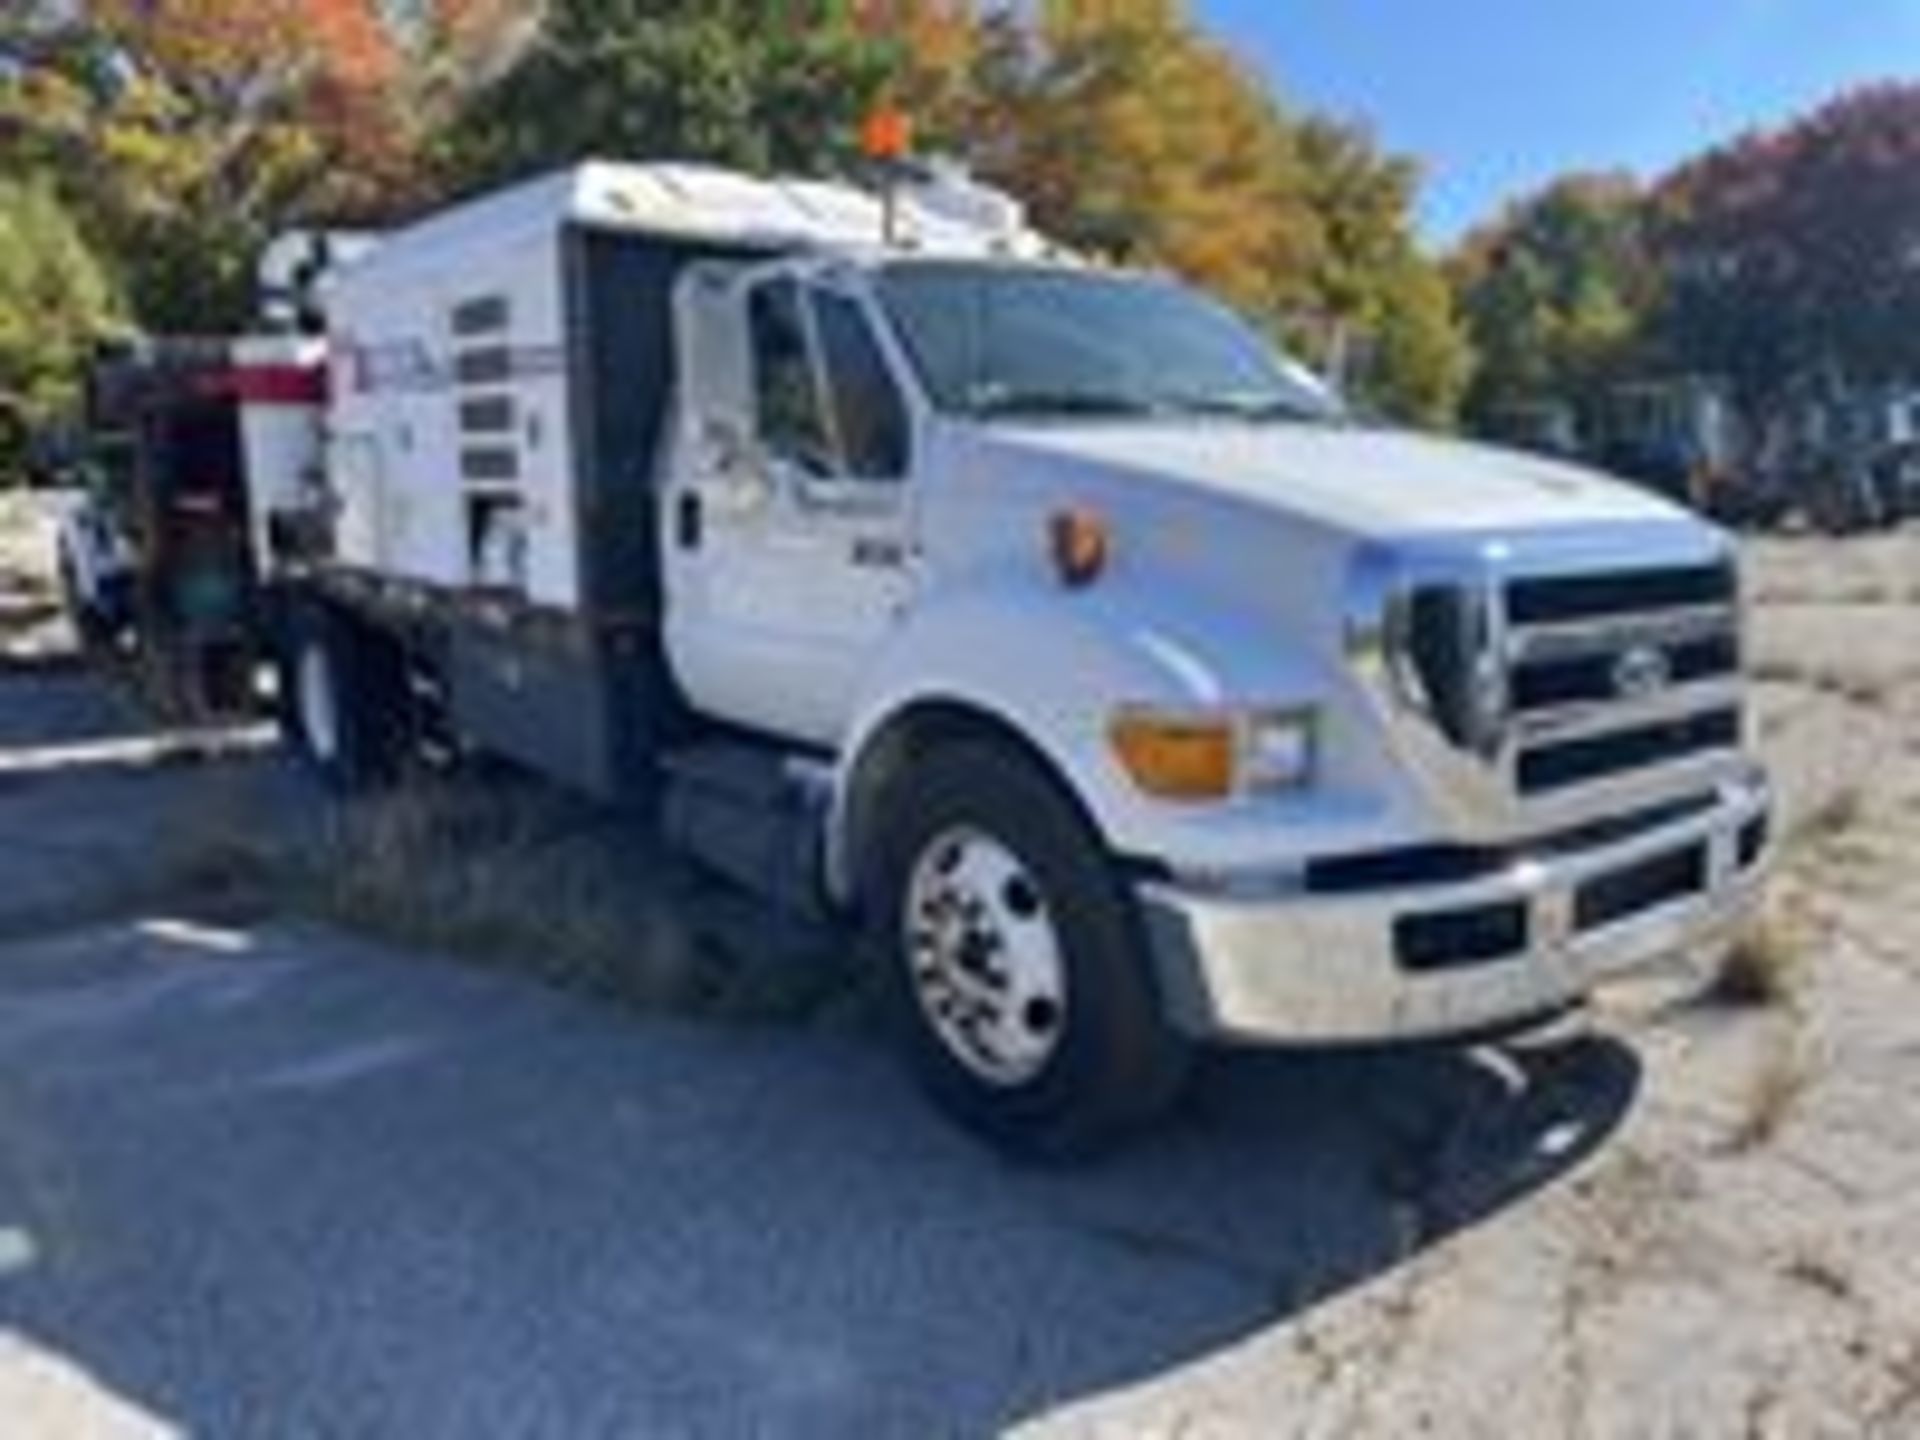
(1016, 967)
(342, 700)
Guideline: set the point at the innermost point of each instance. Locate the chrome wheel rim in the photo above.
(984, 956)
(319, 714)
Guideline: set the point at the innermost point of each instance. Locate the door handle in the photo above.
(688, 518)
(879, 553)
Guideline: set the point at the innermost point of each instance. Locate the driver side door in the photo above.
(789, 499)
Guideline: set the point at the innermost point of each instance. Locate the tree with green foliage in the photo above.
(1557, 295)
(1383, 310)
(55, 300)
(1130, 133)
(750, 83)
(1125, 129)
(184, 137)
(178, 142)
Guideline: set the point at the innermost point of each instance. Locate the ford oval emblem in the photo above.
(1641, 672)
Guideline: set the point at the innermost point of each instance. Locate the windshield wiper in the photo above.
(998, 400)
(1253, 407)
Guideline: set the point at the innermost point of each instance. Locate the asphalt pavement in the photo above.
(274, 1180)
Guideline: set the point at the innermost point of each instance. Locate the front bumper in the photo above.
(1415, 959)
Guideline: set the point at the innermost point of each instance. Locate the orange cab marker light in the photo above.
(886, 134)
(1078, 541)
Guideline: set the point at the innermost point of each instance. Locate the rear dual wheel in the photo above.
(343, 700)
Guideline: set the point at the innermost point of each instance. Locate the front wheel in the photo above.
(1017, 971)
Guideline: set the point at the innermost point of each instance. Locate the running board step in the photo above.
(752, 815)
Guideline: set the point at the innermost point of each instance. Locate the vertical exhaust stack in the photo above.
(294, 273)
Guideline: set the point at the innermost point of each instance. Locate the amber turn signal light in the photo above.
(1175, 757)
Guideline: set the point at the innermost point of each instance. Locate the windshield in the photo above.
(1004, 340)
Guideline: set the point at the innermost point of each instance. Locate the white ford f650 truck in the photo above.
(1127, 692)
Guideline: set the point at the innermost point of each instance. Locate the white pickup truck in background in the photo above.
(1126, 692)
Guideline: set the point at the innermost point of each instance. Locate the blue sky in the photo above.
(1499, 95)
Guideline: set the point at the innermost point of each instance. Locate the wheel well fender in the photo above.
(892, 748)
(1044, 671)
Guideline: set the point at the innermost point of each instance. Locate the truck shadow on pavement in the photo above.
(276, 1181)
(270, 1180)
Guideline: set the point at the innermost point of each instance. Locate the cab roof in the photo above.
(941, 214)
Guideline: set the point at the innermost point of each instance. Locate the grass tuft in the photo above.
(1773, 1092)
(1763, 966)
(1835, 813)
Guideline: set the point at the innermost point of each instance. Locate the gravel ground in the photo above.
(269, 1178)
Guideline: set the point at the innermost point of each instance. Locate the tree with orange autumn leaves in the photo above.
(1125, 128)
(1131, 132)
(183, 133)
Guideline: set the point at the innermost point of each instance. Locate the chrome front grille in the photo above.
(1620, 671)
(1550, 680)
(1560, 599)
(1556, 764)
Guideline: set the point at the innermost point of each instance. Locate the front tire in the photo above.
(1017, 972)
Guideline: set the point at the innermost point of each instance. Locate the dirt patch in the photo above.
(1739, 1259)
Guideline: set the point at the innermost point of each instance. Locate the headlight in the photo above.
(1279, 749)
(1198, 755)
(1425, 635)
(1449, 665)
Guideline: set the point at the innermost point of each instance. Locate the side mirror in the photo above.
(741, 470)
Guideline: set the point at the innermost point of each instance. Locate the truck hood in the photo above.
(1367, 482)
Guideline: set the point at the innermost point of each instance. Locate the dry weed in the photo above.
(1773, 1091)
(1764, 965)
(519, 878)
(1835, 813)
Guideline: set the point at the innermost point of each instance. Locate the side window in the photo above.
(869, 416)
(791, 423)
